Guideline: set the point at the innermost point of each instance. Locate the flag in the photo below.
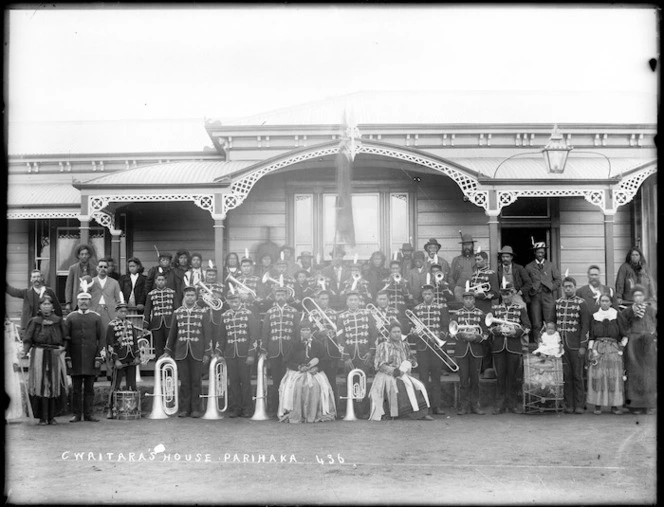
(345, 229)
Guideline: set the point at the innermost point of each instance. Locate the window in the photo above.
(399, 222)
(42, 244)
(304, 223)
(68, 239)
(365, 220)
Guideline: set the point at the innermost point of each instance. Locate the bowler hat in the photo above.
(507, 250)
(305, 254)
(432, 241)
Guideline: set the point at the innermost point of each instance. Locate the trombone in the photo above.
(289, 289)
(209, 298)
(425, 334)
(320, 318)
(241, 287)
(382, 323)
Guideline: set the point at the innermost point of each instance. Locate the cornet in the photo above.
(209, 298)
(455, 328)
(356, 389)
(165, 389)
(490, 319)
(382, 322)
(260, 412)
(320, 318)
(480, 287)
(217, 389)
(289, 290)
(423, 332)
(242, 288)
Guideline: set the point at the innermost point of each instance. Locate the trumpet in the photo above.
(320, 318)
(209, 298)
(356, 389)
(289, 290)
(480, 287)
(165, 389)
(490, 319)
(455, 328)
(382, 323)
(242, 288)
(260, 412)
(425, 334)
(438, 276)
(218, 388)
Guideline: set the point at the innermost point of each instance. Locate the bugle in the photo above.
(425, 334)
(356, 389)
(209, 298)
(242, 288)
(321, 320)
(165, 388)
(382, 323)
(260, 412)
(217, 389)
(490, 319)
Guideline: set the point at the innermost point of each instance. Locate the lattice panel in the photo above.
(596, 197)
(99, 202)
(628, 187)
(19, 215)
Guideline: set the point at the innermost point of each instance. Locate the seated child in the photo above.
(551, 344)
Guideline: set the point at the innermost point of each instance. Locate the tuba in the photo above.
(242, 288)
(356, 389)
(260, 412)
(322, 321)
(490, 319)
(209, 298)
(425, 334)
(165, 389)
(217, 388)
(382, 323)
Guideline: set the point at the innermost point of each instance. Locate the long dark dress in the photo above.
(605, 379)
(641, 357)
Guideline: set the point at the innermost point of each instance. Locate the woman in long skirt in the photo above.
(394, 393)
(305, 394)
(641, 354)
(44, 338)
(605, 374)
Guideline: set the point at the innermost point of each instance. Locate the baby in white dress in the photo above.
(551, 343)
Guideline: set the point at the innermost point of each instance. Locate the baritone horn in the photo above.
(209, 298)
(356, 389)
(490, 319)
(425, 334)
(217, 389)
(242, 288)
(260, 412)
(165, 389)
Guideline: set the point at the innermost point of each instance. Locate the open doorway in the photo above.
(519, 238)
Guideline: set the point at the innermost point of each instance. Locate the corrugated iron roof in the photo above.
(116, 136)
(29, 195)
(466, 107)
(173, 173)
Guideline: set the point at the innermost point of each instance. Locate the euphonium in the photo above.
(260, 412)
(165, 389)
(490, 319)
(242, 288)
(425, 334)
(480, 287)
(356, 390)
(209, 298)
(217, 388)
(382, 323)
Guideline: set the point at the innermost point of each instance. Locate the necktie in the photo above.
(540, 266)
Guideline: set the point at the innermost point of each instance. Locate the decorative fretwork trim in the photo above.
(26, 215)
(628, 187)
(97, 203)
(593, 196)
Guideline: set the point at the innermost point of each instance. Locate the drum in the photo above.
(542, 383)
(127, 405)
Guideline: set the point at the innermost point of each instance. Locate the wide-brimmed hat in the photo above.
(467, 238)
(432, 241)
(305, 254)
(406, 247)
(506, 250)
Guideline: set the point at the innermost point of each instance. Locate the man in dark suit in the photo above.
(84, 267)
(337, 273)
(546, 280)
(515, 274)
(31, 295)
(132, 285)
(594, 290)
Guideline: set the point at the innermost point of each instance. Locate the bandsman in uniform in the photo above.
(435, 317)
(546, 280)
(277, 336)
(356, 331)
(356, 283)
(159, 307)
(191, 344)
(387, 313)
(252, 282)
(441, 289)
(238, 338)
(301, 289)
(165, 268)
(573, 324)
(334, 353)
(508, 343)
(282, 278)
(399, 292)
(468, 352)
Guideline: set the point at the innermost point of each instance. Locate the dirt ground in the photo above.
(508, 459)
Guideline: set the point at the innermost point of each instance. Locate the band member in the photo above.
(278, 334)
(165, 268)
(605, 371)
(302, 289)
(191, 343)
(211, 281)
(334, 353)
(159, 306)
(546, 279)
(406, 258)
(634, 271)
(469, 351)
(238, 338)
(133, 284)
(515, 274)
(282, 278)
(32, 296)
(356, 283)
(84, 335)
(122, 354)
(321, 283)
(252, 282)
(84, 267)
(195, 273)
(508, 343)
(356, 331)
(265, 266)
(572, 321)
(640, 321)
(394, 389)
(306, 263)
(44, 338)
(592, 292)
(305, 395)
(111, 272)
(441, 289)
(399, 292)
(286, 253)
(231, 265)
(432, 247)
(387, 313)
(437, 319)
(417, 276)
(462, 267)
(484, 282)
(105, 294)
